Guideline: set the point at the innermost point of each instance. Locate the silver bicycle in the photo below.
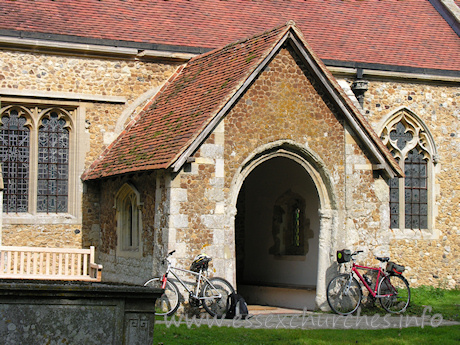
(211, 293)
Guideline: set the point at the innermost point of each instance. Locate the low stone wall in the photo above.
(43, 312)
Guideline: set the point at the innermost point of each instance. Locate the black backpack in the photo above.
(236, 307)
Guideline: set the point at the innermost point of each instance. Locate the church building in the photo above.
(266, 134)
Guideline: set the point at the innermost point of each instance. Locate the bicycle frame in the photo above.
(380, 275)
(200, 277)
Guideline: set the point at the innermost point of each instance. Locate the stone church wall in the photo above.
(430, 259)
(48, 76)
(201, 212)
(119, 267)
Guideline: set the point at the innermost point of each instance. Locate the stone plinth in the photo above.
(43, 312)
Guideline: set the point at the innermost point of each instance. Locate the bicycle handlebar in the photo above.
(167, 256)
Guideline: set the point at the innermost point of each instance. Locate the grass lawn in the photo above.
(444, 302)
(227, 335)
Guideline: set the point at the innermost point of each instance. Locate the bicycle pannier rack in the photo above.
(343, 255)
(395, 268)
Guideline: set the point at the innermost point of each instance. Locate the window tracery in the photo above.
(34, 152)
(409, 141)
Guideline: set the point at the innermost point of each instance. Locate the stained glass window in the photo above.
(14, 152)
(410, 143)
(53, 165)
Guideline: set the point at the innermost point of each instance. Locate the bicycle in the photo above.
(344, 293)
(211, 293)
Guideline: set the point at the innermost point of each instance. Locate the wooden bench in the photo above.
(49, 263)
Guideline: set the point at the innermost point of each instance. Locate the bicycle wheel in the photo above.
(344, 294)
(212, 303)
(397, 287)
(168, 302)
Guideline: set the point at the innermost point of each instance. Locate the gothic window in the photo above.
(14, 152)
(410, 197)
(290, 228)
(34, 150)
(53, 164)
(129, 220)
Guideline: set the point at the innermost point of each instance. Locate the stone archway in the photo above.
(283, 229)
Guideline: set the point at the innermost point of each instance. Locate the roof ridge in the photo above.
(288, 24)
(160, 123)
(403, 36)
(347, 101)
(287, 27)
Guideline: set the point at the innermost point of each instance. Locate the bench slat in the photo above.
(49, 263)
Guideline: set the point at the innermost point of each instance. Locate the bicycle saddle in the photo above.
(383, 259)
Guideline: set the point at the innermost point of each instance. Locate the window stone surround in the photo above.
(78, 147)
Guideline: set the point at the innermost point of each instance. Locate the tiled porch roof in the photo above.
(187, 104)
(184, 107)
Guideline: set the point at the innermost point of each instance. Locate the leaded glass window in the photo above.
(129, 220)
(415, 191)
(15, 153)
(394, 203)
(35, 142)
(53, 164)
(290, 228)
(410, 143)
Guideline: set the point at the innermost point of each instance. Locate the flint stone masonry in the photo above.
(194, 211)
(49, 74)
(41, 312)
(45, 235)
(422, 252)
(123, 267)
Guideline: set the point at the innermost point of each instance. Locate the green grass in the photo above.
(442, 301)
(226, 335)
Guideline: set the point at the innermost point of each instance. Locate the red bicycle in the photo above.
(344, 292)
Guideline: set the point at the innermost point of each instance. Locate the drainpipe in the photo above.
(360, 86)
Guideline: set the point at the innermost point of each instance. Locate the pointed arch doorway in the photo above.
(277, 229)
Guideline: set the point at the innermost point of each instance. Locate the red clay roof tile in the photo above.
(184, 107)
(393, 32)
(192, 99)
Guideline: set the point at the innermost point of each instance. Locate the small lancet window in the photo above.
(290, 229)
(129, 219)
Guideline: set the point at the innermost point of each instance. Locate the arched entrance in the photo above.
(277, 233)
